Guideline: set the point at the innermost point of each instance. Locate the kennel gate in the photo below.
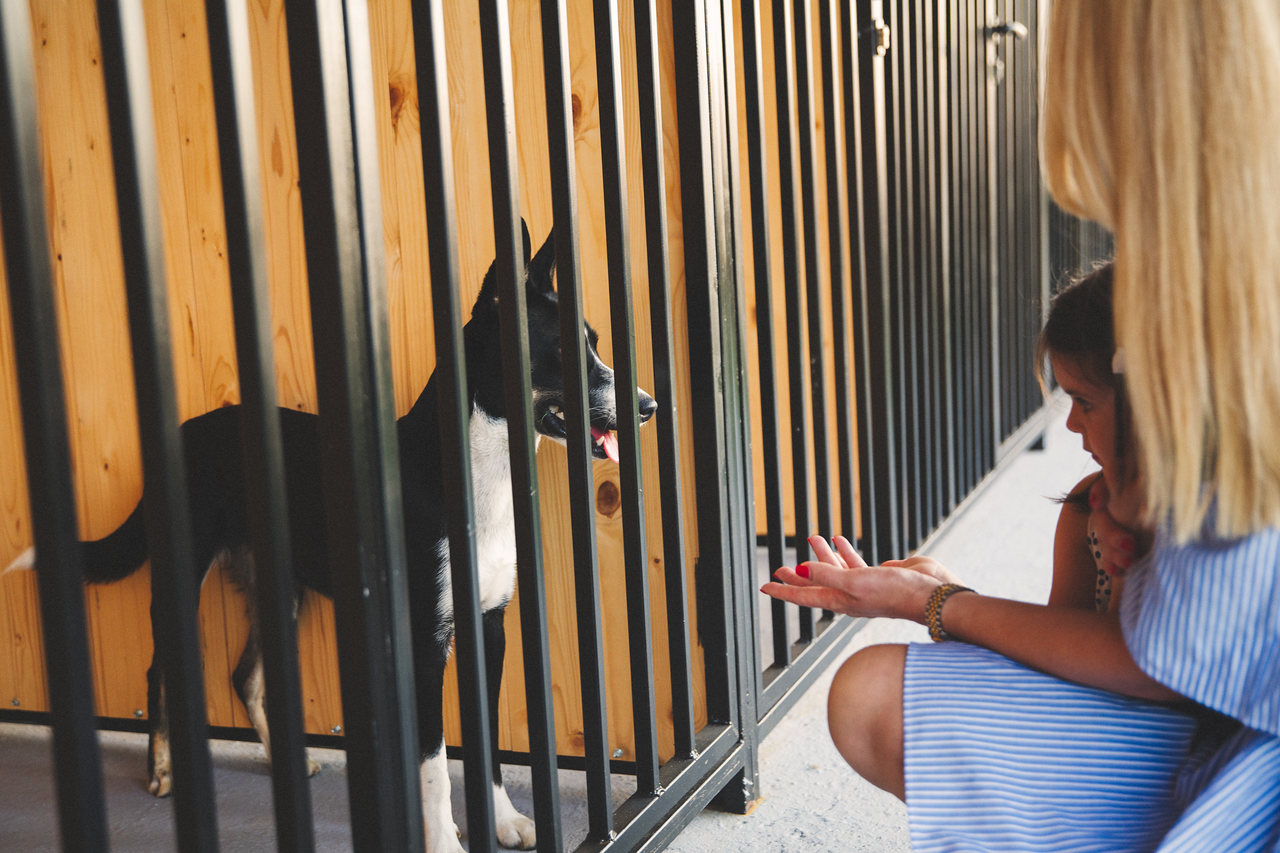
(889, 146)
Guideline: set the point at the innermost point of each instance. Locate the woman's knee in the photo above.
(864, 713)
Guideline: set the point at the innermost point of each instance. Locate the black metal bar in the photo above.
(931, 472)
(555, 46)
(833, 127)
(1014, 328)
(808, 200)
(868, 464)
(1040, 232)
(274, 584)
(917, 291)
(613, 162)
(896, 375)
(978, 272)
(911, 287)
(927, 339)
(753, 82)
(987, 225)
(455, 412)
(956, 266)
(1027, 205)
(942, 201)
(495, 35)
(82, 819)
(743, 791)
(1034, 199)
(980, 163)
(876, 246)
(1030, 201)
(1005, 326)
(907, 291)
(175, 593)
(965, 338)
(655, 205)
(713, 573)
(798, 350)
(1024, 274)
(968, 242)
(338, 167)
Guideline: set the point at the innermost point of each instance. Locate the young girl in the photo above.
(1078, 340)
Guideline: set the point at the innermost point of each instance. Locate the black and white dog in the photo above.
(212, 445)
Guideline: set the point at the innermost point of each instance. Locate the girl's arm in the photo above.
(1075, 574)
(1076, 645)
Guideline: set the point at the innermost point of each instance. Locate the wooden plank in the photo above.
(95, 344)
(22, 677)
(291, 319)
(777, 305)
(199, 287)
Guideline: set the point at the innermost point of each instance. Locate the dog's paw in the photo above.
(313, 767)
(161, 784)
(517, 832)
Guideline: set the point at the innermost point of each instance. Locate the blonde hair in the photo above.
(1162, 122)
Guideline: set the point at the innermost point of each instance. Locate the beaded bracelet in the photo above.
(933, 609)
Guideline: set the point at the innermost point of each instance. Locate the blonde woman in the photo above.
(1055, 728)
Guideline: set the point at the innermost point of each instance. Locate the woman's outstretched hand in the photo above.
(840, 580)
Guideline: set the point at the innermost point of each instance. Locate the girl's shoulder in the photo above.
(1077, 497)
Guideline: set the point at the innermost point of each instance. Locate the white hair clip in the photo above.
(1117, 361)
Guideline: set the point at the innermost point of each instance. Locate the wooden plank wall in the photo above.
(777, 259)
(94, 337)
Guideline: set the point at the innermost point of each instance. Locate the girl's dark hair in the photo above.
(1081, 326)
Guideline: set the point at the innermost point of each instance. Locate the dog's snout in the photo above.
(647, 408)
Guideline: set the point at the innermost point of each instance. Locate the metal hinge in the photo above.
(881, 35)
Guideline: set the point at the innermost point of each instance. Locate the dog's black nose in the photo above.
(647, 407)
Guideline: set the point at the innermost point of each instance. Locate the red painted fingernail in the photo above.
(1095, 500)
(803, 570)
(1124, 562)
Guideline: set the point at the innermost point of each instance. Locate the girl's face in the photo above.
(1092, 415)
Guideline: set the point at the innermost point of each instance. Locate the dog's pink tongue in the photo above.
(610, 443)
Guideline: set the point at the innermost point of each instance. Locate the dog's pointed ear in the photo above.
(489, 286)
(542, 267)
(488, 294)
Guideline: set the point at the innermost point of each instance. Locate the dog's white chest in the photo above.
(494, 516)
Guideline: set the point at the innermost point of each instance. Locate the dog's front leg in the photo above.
(437, 809)
(514, 829)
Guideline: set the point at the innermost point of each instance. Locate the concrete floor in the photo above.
(1000, 543)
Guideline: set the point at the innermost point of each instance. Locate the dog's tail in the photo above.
(111, 558)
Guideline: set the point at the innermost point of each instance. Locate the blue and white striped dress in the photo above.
(1001, 757)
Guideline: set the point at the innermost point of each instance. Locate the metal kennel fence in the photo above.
(863, 254)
